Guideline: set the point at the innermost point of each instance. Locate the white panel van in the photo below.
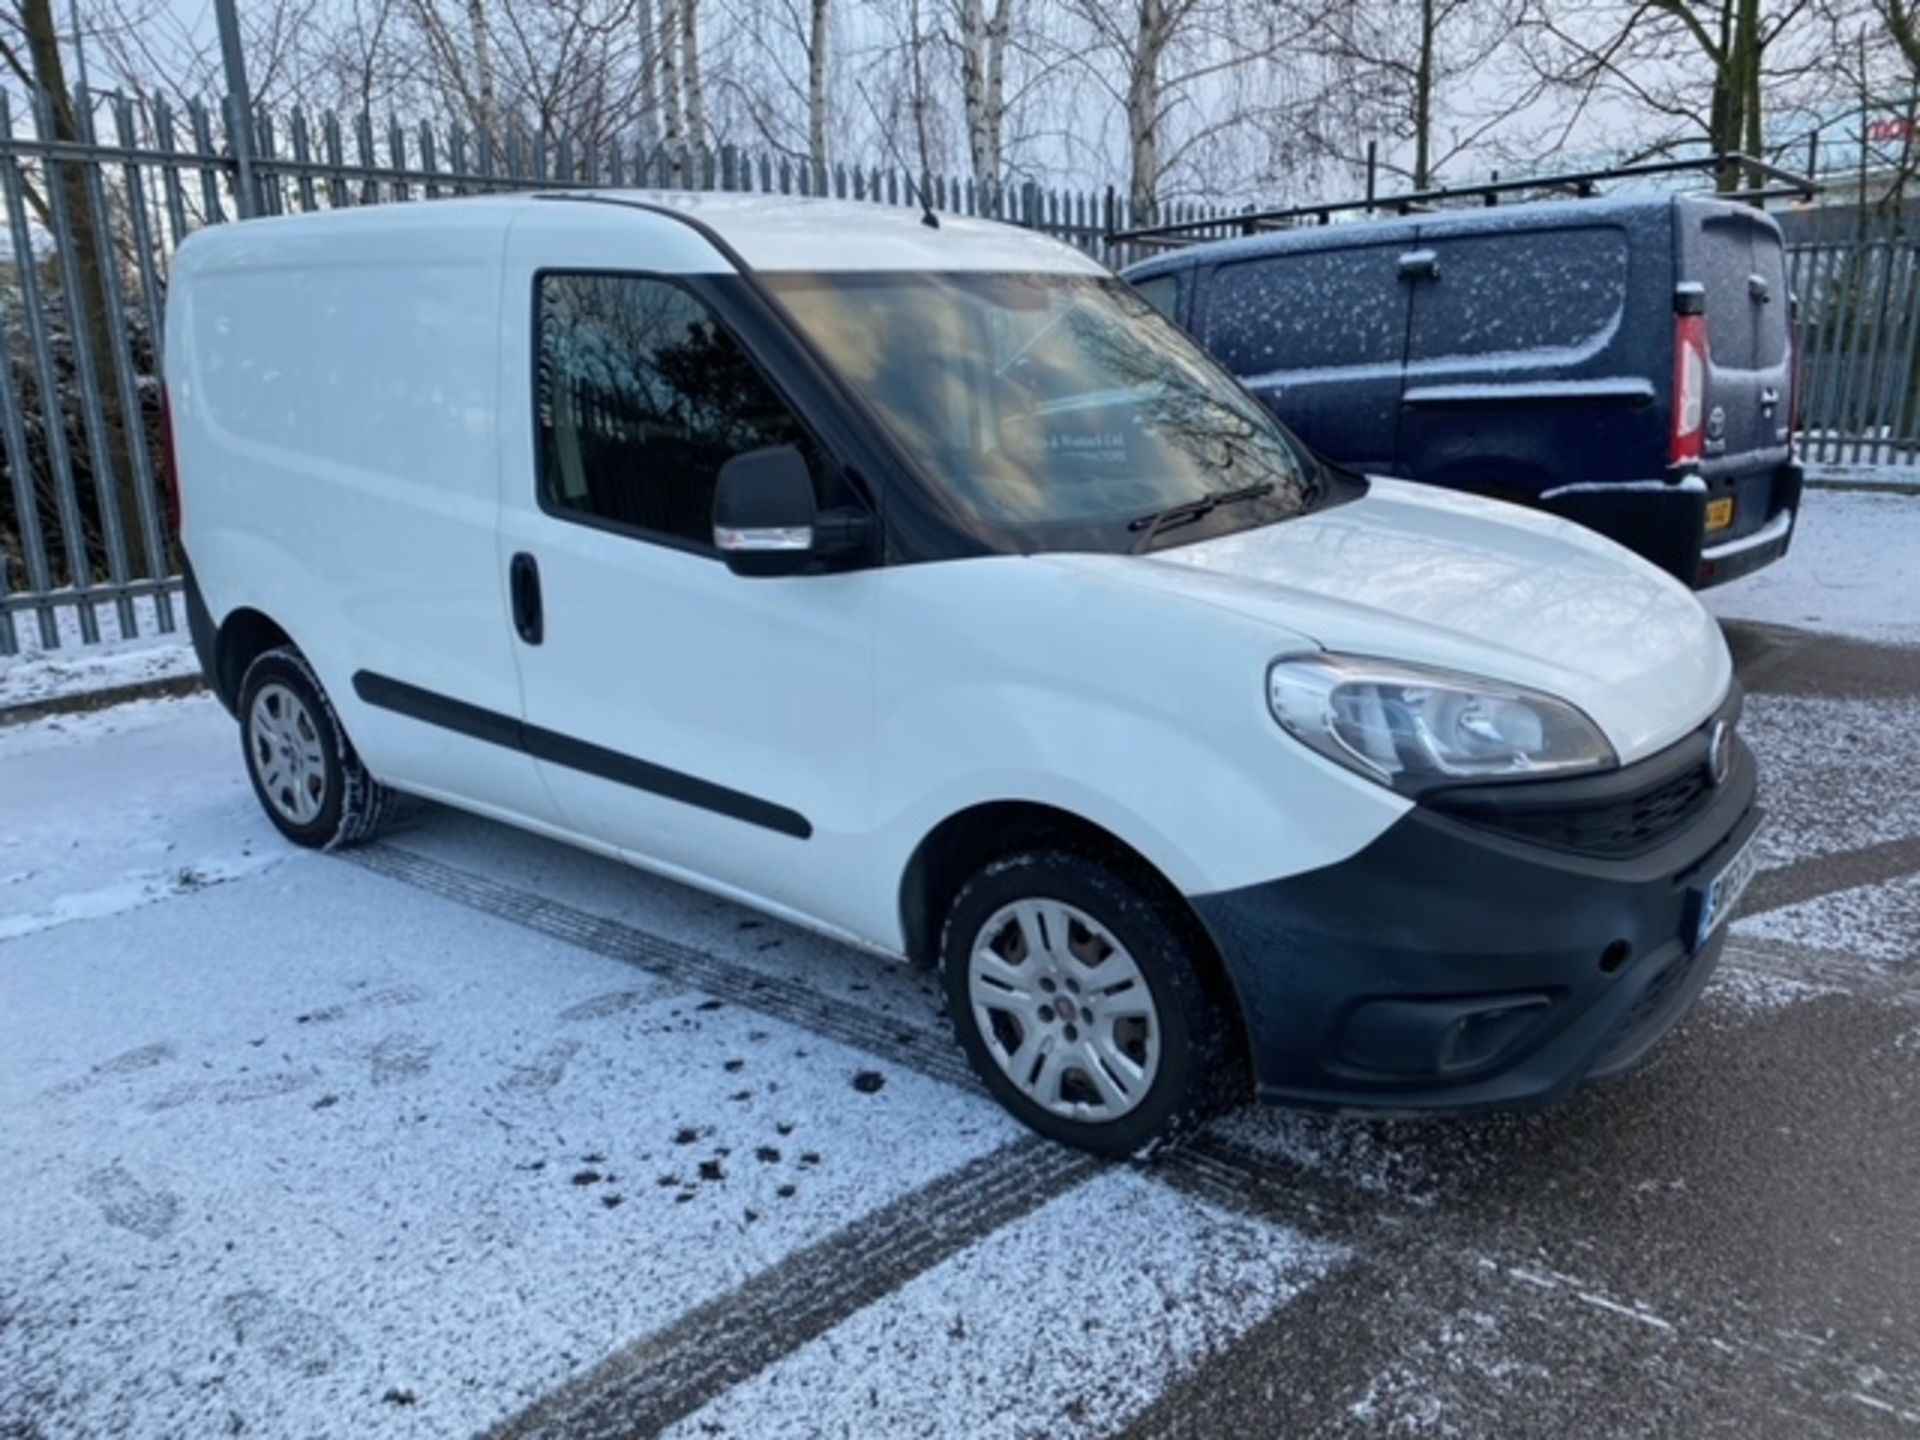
(922, 585)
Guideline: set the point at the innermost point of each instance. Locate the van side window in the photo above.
(641, 397)
(1308, 310)
(1163, 293)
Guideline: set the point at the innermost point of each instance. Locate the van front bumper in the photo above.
(1453, 964)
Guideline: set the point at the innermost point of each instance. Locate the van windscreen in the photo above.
(1058, 409)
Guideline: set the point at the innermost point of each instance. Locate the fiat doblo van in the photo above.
(924, 586)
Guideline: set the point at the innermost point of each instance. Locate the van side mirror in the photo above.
(763, 512)
(764, 521)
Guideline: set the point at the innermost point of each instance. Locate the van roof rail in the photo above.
(1582, 183)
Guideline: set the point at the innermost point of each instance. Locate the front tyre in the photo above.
(1075, 993)
(305, 773)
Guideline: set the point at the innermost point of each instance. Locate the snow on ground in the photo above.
(1905, 472)
(678, 913)
(1851, 571)
(1749, 990)
(74, 667)
(309, 1150)
(289, 1146)
(84, 670)
(116, 809)
(1875, 923)
(279, 1150)
(370, 1141)
(1123, 1286)
(1828, 768)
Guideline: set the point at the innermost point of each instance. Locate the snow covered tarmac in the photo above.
(472, 1131)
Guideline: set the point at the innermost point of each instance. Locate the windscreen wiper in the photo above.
(1150, 525)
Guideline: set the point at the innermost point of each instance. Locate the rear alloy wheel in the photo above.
(283, 744)
(1076, 998)
(305, 773)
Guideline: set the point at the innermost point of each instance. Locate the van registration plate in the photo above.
(1723, 892)
(1720, 513)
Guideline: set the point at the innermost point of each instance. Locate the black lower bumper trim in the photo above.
(1447, 967)
(200, 628)
(1666, 524)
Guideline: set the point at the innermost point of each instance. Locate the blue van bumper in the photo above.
(1463, 961)
(1666, 522)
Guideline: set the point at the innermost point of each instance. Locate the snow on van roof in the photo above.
(785, 232)
(1623, 208)
(769, 232)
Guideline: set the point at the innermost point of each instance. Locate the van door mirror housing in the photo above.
(764, 520)
(763, 512)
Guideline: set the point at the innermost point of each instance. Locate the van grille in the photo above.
(1625, 826)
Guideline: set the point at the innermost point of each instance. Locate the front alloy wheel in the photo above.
(1075, 987)
(1064, 1010)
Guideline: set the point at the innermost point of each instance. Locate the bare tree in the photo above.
(649, 32)
(86, 237)
(1185, 74)
(690, 77)
(487, 116)
(819, 36)
(462, 53)
(673, 130)
(1903, 24)
(982, 42)
(1420, 72)
(1701, 70)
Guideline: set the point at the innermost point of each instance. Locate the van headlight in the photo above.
(1414, 728)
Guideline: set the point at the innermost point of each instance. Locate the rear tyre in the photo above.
(305, 773)
(1076, 995)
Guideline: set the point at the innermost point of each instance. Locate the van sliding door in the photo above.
(1529, 364)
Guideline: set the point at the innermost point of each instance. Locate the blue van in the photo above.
(1625, 362)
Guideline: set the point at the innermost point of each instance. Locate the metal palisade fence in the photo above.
(1856, 276)
(99, 193)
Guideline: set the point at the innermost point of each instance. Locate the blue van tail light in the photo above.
(1795, 361)
(1689, 389)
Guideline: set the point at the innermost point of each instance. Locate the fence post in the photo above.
(239, 109)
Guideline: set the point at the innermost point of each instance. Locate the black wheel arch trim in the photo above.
(428, 706)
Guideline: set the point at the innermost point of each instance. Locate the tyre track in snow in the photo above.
(1235, 1176)
(670, 1374)
(660, 1378)
(644, 1387)
(778, 998)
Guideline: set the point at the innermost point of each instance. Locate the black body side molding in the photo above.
(574, 754)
